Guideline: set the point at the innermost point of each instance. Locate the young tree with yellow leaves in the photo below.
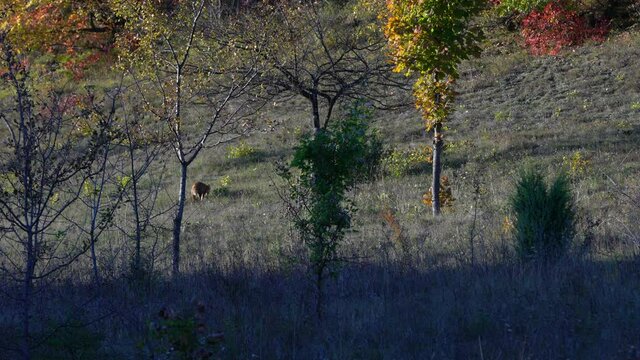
(430, 38)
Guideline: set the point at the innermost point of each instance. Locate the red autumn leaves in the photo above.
(555, 27)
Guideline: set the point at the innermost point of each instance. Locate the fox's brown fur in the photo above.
(199, 190)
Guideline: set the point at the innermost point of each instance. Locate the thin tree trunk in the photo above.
(26, 315)
(26, 294)
(30, 251)
(316, 111)
(472, 231)
(319, 292)
(137, 260)
(330, 106)
(437, 168)
(94, 258)
(135, 205)
(95, 212)
(177, 221)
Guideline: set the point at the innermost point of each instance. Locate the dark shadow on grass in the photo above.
(575, 308)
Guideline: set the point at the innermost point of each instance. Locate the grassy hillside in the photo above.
(512, 110)
(417, 287)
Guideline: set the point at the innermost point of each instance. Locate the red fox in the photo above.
(199, 190)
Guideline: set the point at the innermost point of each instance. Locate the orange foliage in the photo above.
(389, 218)
(446, 195)
(432, 46)
(434, 98)
(77, 33)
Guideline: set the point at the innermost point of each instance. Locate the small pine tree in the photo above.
(544, 216)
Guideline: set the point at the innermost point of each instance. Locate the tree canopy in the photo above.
(431, 38)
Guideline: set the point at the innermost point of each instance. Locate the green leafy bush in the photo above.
(505, 7)
(242, 150)
(325, 166)
(370, 160)
(399, 163)
(223, 186)
(577, 164)
(543, 216)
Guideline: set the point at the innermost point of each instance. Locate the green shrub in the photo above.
(241, 150)
(543, 216)
(371, 148)
(324, 168)
(399, 163)
(223, 186)
(505, 7)
(576, 164)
